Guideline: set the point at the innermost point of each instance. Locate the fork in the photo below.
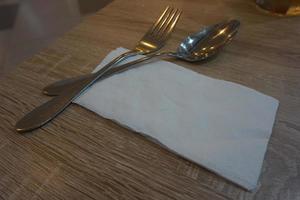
(154, 39)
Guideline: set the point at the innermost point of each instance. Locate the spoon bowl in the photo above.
(208, 42)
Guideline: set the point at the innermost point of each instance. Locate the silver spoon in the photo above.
(203, 38)
(197, 47)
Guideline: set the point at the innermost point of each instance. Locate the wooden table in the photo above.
(80, 155)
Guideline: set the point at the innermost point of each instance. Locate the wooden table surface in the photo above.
(80, 155)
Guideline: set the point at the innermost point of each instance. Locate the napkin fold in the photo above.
(220, 125)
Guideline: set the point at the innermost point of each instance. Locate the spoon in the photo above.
(208, 38)
(197, 47)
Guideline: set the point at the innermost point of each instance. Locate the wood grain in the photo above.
(83, 156)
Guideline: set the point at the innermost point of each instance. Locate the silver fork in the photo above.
(154, 39)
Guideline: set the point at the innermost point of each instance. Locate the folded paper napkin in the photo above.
(220, 125)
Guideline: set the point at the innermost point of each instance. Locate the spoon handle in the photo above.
(49, 110)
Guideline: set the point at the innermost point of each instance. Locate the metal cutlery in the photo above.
(197, 47)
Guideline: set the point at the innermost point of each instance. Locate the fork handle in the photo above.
(58, 87)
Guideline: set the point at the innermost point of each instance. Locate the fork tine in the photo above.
(169, 28)
(164, 21)
(157, 35)
(162, 16)
(168, 21)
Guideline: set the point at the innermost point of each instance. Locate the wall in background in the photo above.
(27, 26)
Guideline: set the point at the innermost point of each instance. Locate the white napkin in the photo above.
(220, 125)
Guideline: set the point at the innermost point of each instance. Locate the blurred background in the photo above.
(27, 26)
